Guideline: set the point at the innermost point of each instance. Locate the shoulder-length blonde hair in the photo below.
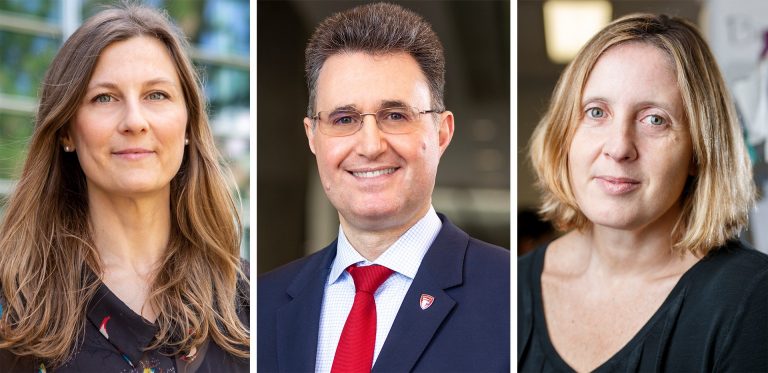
(717, 199)
(49, 268)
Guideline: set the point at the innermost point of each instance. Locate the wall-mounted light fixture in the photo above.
(568, 25)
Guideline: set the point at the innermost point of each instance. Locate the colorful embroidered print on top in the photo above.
(103, 327)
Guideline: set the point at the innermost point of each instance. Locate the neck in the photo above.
(371, 243)
(130, 233)
(645, 252)
(627, 255)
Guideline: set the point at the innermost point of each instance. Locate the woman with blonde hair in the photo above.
(119, 249)
(641, 160)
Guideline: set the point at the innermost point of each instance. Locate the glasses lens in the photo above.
(339, 123)
(397, 120)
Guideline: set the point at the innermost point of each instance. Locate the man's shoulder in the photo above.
(477, 250)
(283, 276)
(486, 266)
(490, 254)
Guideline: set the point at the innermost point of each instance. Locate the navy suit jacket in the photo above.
(466, 329)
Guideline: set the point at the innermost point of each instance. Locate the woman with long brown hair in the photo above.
(119, 249)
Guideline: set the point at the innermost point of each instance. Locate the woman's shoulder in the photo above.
(727, 277)
(727, 291)
(530, 265)
(732, 265)
(529, 269)
(244, 292)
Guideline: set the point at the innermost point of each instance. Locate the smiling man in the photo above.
(401, 289)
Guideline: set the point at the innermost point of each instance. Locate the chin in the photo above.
(141, 188)
(627, 223)
(613, 218)
(375, 217)
(374, 213)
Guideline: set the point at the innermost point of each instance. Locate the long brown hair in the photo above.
(716, 201)
(49, 268)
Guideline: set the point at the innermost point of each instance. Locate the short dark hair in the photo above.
(377, 28)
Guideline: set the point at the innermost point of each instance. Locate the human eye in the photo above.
(102, 98)
(343, 118)
(654, 120)
(595, 112)
(157, 95)
(396, 115)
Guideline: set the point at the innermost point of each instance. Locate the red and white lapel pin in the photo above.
(425, 301)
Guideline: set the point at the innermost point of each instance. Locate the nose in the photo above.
(134, 118)
(620, 142)
(371, 142)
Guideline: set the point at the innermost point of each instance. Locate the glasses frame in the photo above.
(316, 119)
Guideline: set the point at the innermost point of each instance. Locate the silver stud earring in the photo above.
(186, 141)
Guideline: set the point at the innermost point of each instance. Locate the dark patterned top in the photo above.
(115, 338)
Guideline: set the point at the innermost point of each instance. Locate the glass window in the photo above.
(15, 130)
(48, 10)
(25, 59)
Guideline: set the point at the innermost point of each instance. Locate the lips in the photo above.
(617, 185)
(130, 151)
(133, 153)
(366, 174)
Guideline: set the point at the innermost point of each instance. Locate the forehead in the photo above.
(141, 56)
(634, 71)
(365, 80)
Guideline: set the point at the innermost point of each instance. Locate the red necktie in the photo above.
(355, 350)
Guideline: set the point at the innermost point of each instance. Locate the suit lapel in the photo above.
(298, 322)
(414, 327)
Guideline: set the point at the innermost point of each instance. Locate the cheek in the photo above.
(171, 129)
(674, 158)
(328, 160)
(329, 155)
(677, 168)
(87, 134)
(421, 153)
(574, 160)
(584, 149)
(174, 124)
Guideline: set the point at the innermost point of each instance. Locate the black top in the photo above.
(715, 319)
(115, 338)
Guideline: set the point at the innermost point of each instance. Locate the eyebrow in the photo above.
(586, 100)
(639, 104)
(151, 82)
(344, 108)
(385, 104)
(391, 103)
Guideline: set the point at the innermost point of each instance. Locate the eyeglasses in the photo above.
(393, 120)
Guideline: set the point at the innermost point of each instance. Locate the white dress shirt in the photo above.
(403, 257)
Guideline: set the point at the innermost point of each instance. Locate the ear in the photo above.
(310, 132)
(445, 132)
(66, 140)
